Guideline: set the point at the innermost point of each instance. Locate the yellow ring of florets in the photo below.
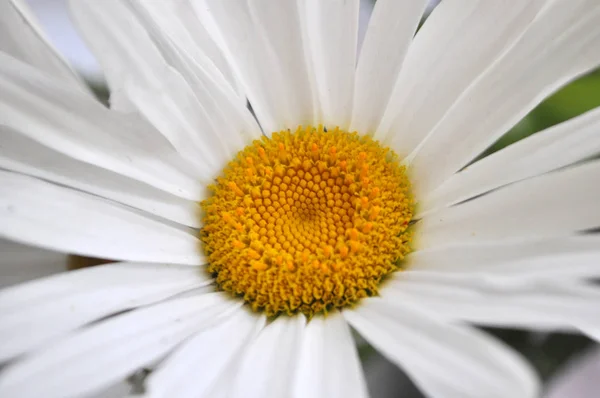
(307, 221)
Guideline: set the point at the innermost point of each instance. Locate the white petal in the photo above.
(500, 302)
(551, 205)
(267, 367)
(263, 45)
(548, 150)
(328, 365)
(214, 353)
(444, 360)
(330, 31)
(70, 122)
(155, 87)
(46, 215)
(22, 37)
(103, 354)
(21, 154)
(574, 256)
(235, 125)
(177, 20)
(565, 39)
(391, 29)
(20, 263)
(37, 312)
(458, 42)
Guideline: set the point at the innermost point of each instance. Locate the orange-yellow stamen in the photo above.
(308, 221)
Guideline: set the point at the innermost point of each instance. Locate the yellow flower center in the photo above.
(307, 221)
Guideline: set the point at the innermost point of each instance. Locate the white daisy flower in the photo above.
(251, 287)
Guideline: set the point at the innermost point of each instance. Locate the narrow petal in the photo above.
(43, 109)
(546, 305)
(178, 22)
(21, 263)
(564, 38)
(391, 30)
(24, 155)
(267, 368)
(551, 205)
(156, 88)
(214, 352)
(551, 149)
(37, 312)
(263, 45)
(578, 377)
(103, 354)
(574, 256)
(440, 357)
(457, 43)
(22, 37)
(49, 216)
(328, 366)
(330, 31)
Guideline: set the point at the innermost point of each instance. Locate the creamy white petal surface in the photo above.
(328, 364)
(390, 32)
(24, 155)
(263, 45)
(553, 148)
(22, 37)
(458, 42)
(117, 347)
(213, 354)
(558, 257)
(552, 205)
(440, 357)
(267, 367)
(331, 35)
(494, 301)
(176, 106)
(21, 263)
(177, 20)
(70, 122)
(39, 213)
(564, 38)
(37, 312)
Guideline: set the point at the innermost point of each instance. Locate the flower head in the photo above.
(243, 249)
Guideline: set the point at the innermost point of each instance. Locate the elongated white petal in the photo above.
(263, 45)
(70, 122)
(155, 87)
(564, 38)
(551, 205)
(214, 353)
(548, 150)
(444, 360)
(458, 42)
(21, 154)
(573, 256)
(40, 311)
(500, 302)
(267, 367)
(330, 31)
(46, 215)
(391, 30)
(22, 37)
(178, 22)
(233, 124)
(103, 354)
(328, 365)
(21, 263)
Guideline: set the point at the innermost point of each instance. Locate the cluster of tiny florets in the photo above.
(307, 221)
